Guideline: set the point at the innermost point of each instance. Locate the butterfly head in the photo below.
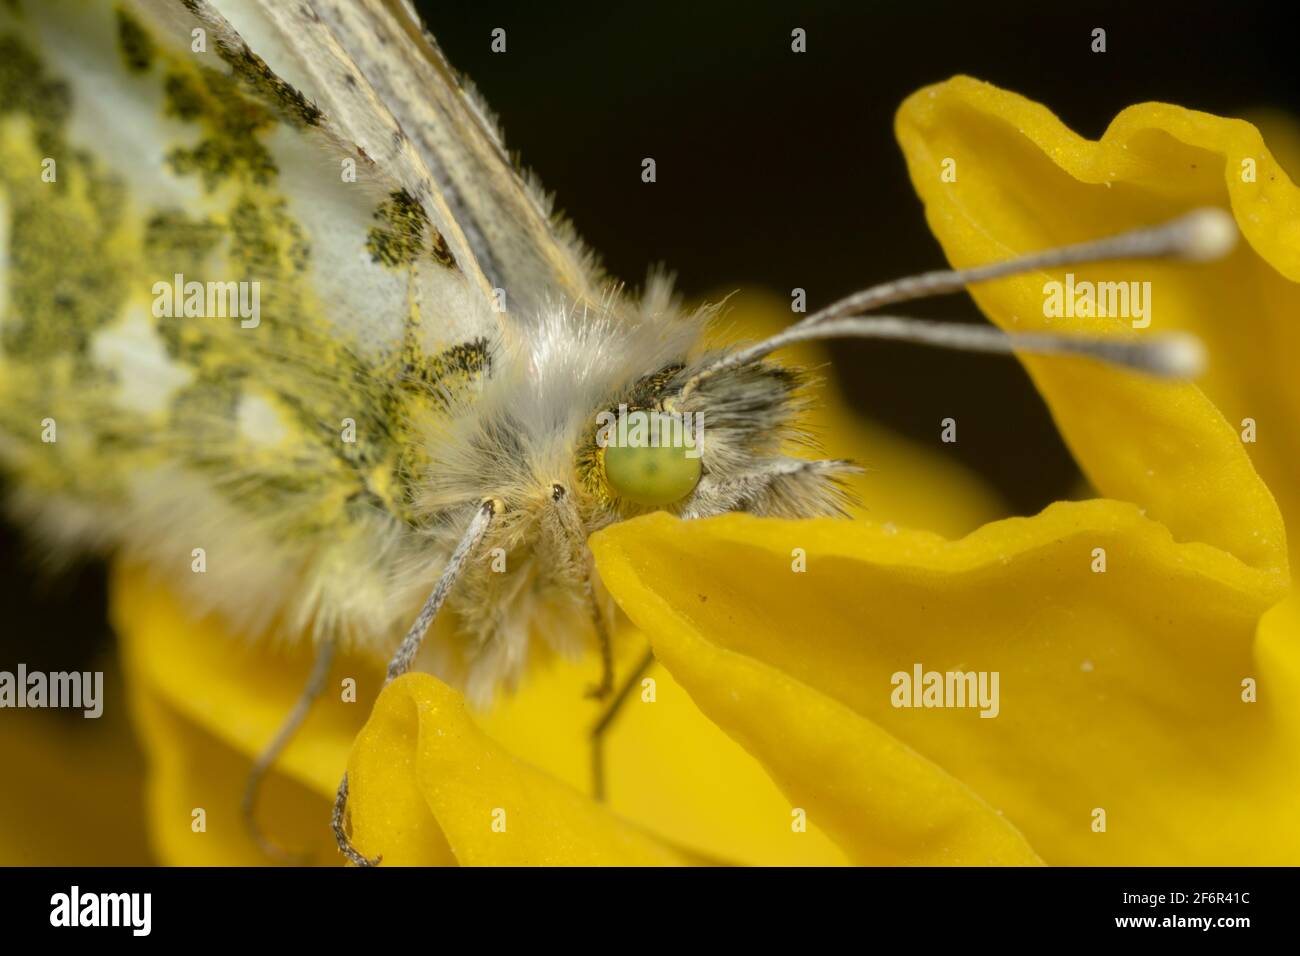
(724, 446)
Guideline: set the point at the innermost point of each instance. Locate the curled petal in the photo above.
(421, 770)
(1025, 182)
(1119, 654)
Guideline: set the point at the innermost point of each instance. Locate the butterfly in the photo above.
(281, 320)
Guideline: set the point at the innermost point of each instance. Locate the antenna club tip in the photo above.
(1178, 355)
(1208, 234)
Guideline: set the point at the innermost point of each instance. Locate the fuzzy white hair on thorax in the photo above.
(529, 430)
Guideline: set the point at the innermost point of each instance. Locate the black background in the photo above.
(779, 170)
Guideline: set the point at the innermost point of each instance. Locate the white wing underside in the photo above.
(357, 126)
(372, 67)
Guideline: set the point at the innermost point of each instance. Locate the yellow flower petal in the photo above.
(1026, 182)
(1282, 134)
(860, 785)
(667, 767)
(1277, 654)
(421, 745)
(1119, 690)
(204, 703)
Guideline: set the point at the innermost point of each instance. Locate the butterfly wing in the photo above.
(521, 245)
(220, 313)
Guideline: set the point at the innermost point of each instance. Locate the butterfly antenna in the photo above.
(410, 646)
(1199, 236)
(252, 788)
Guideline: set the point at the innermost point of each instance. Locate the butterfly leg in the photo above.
(404, 657)
(611, 712)
(606, 686)
(337, 824)
(248, 805)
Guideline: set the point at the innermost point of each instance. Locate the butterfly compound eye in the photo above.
(650, 457)
(650, 475)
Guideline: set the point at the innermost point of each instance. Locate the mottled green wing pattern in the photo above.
(219, 313)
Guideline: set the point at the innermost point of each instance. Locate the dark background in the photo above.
(778, 170)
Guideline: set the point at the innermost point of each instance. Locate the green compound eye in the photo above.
(649, 475)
